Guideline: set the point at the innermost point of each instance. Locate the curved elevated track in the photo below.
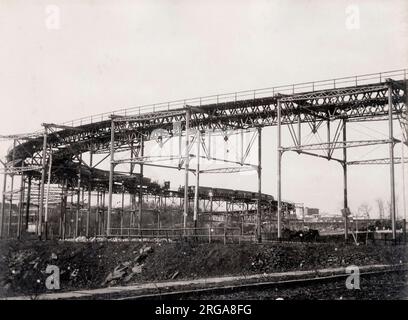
(55, 155)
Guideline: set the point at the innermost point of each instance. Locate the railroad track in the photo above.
(228, 289)
(251, 285)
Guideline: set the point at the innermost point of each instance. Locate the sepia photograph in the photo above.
(208, 158)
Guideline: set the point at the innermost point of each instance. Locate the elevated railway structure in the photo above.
(63, 155)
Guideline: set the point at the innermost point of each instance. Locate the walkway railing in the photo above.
(208, 234)
(356, 80)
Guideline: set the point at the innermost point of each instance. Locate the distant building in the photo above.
(311, 211)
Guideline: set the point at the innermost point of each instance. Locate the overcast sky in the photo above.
(104, 55)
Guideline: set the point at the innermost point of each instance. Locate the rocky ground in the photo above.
(87, 265)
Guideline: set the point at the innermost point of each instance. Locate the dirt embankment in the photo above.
(86, 265)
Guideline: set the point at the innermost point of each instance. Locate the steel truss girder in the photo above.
(383, 161)
(352, 103)
(317, 155)
(23, 136)
(147, 159)
(227, 170)
(357, 103)
(337, 145)
(18, 170)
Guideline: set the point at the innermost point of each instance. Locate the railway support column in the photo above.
(404, 200)
(279, 167)
(391, 151)
(405, 143)
(37, 217)
(88, 214)
(21, 203)
(111, 173)
(132, 199)
(211, 213)
(97, 215)
(47, 196)
(27, 208)
(41, 186)
(64, 208)
(187, 162)
(141, 185)
(78, 198)
(3, 202)
(197, 186)
(61, 212)
(259, 169)
(11, 194)
(103, 220)
(345, 183)
(122, 212)
(225, 221)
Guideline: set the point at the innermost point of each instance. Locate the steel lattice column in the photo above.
(141, 185)
(279, 167)
(345, 182)
(391, 151)
(197, 186)
(88, 214)
(259, 170)
(41, 200)
(111, 172)
(3, 202)
(187, 162)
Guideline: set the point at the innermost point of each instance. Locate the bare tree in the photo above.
(380, 205)
(364, 210)
(389, 207)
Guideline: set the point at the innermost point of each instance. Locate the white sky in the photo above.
(112, 54)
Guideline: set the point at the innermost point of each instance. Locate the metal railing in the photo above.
(208, 234)
(364, 79)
